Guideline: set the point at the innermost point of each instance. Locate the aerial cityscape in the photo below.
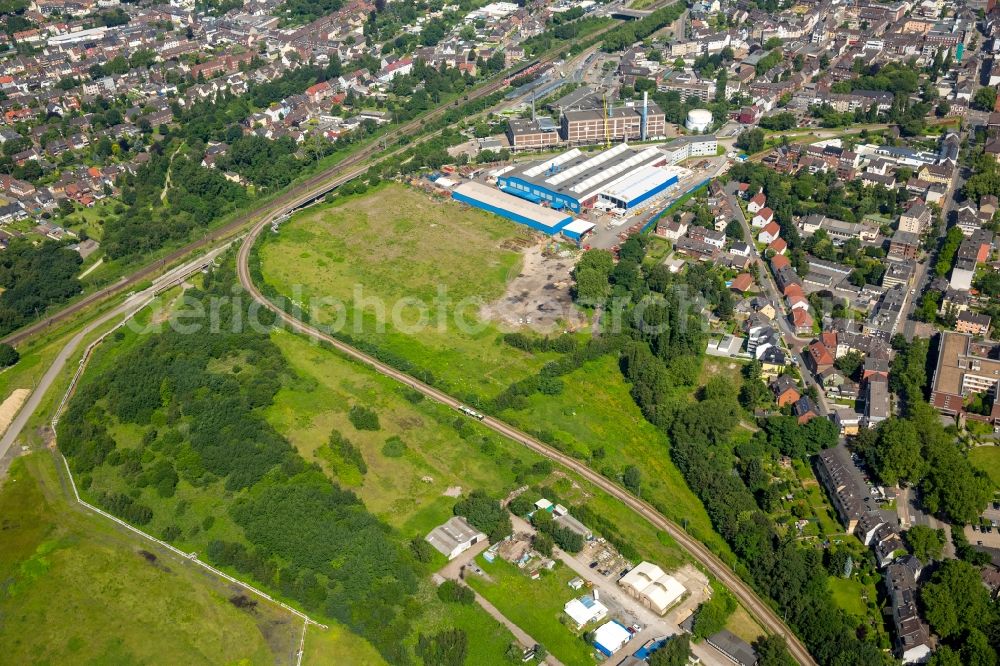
(565, 332)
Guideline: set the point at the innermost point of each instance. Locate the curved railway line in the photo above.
(318, 185)
(750, 600)
(311, 188)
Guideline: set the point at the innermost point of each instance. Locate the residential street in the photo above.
(794, 343)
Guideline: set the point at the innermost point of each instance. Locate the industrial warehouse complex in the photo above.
(546, 194)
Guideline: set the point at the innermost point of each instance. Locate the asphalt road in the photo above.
(131, 305)
(313, 187)
(746, 595)
(794, 343)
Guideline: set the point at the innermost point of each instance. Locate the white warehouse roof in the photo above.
(650, 582)
(637, 183)
(545, 217)
(611, 637)
(585, 609)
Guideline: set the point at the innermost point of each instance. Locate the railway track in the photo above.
(747, 596)
(313, 187)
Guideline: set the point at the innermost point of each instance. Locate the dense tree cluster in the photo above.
(295, 531)
(34, 277)
(565, 538)
(485, 514)
(960, 611)
(158, 214)
(711, 616)
(363, 418)
(346, 451)
(445, 648)
(676, 652)
(8, 355)
(926, 543)
(631, 32)
(269, 164)
(453, 592)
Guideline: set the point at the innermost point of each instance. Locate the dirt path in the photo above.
(166, 181)
(452, 571)
(11, 406)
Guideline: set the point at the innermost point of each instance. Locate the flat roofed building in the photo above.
(964, 367)
(585, 610)
(454, 537)
(527, 134)
(513, 208)
(648, 583)
(623, 123)
(576, 180)
(611, 637)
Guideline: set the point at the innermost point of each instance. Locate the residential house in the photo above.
(785, 390)
(763, 217)
(973, 323)
(804, 410)
(769, 233)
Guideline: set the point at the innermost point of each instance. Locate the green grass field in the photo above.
(536, 606)
(847, 594)
(744, 626)
(77, 589)
(406, 491)
(987, 458)
(399, 257)
(391, 249)
(595, 411)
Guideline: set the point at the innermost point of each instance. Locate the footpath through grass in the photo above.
(77, 589)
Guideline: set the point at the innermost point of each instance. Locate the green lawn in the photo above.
(399, 252)
(76, 589)
(744, 626)
(987, 458)
(536, 606)
(595, 411)
(407, 491)
(847, 594)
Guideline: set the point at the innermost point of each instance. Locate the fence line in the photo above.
(191, 557)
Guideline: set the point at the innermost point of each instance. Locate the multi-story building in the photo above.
(618, 124)
(913, 636)
(526, 134)
(964, 367)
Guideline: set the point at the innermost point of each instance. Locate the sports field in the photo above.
(398, 250)
(77, 589)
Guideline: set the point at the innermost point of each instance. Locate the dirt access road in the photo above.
(756, 606)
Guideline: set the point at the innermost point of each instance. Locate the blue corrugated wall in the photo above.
(510, 215)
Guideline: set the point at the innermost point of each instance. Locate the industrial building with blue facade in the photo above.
(620, 177)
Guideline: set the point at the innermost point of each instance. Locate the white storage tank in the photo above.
(699, 120)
